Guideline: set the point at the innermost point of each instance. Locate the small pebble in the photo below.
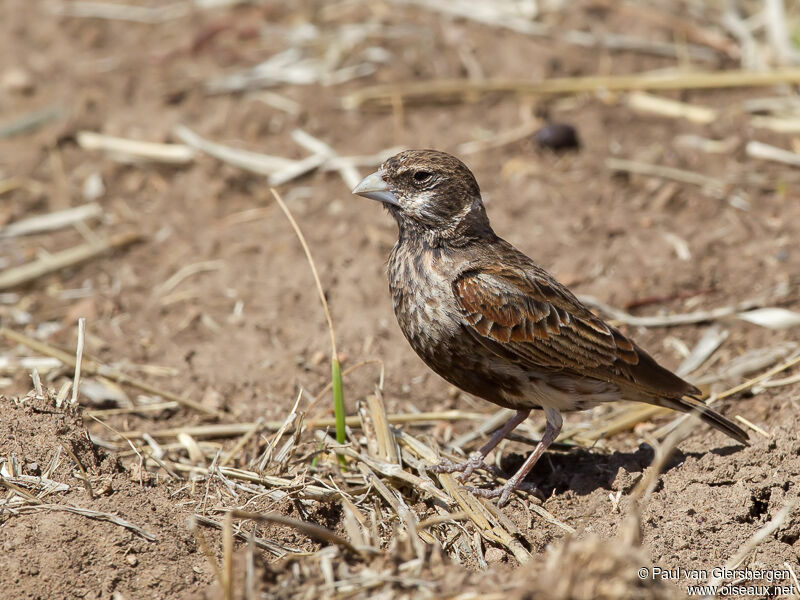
(557, 136)
(93, 187)
(494, 555)
(17, 80)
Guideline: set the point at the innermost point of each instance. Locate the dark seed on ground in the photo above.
(557, 136)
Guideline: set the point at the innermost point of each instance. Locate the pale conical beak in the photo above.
(375, 188)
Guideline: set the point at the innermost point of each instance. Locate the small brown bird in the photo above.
(490, 321)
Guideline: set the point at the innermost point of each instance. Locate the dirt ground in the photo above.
(245, 332)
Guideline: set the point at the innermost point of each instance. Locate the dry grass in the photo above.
(384, 474)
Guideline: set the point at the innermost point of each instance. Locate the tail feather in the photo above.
(709, 415)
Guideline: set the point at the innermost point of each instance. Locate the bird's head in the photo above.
(428, 192)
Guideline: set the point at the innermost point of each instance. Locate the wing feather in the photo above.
(528, 317)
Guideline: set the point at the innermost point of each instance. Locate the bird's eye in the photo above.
(422, 176)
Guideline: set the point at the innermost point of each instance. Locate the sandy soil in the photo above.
(243, 335)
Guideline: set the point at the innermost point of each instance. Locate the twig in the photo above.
(781, 382)
(9, 485)
(266, 457)
(407, 517)
(185, 272)
(752, 426)
(748, 48)
(92, 367)
(312, 530)
(12, 364)
(641, 493)
(682, 175)
(250, 567)
(773, 104)
(778, 124)
(662, 453)
(255, 162)
(709, 146)
(699, 316)
(30, 121)
(86, 483)
(382, 96)
(500, 139)
(297, 169)
(139, 408)
(51, 221)
(125, 150)
(778, 33)
(755, 540)
(237, 429)
(37, 383)
(269, 545)
(93, 514)
(201, 541)
(63, 392)
(76, 381)
(227, 556)
(772, 317)
(712, 338)
(763, 151)
(767, 374)
(478, 513)
(387, 444)
(304, 491)
(666, 107)
(192, 448)
(240, 444)
(384, 468)
(281, 170)
(65, 258)
(459, 515)
(347, 171)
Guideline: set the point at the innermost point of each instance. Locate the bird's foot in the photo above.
(475, 461)
(504, 491)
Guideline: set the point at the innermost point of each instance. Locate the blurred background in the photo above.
(647, 153)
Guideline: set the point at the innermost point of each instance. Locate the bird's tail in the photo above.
(710, 416)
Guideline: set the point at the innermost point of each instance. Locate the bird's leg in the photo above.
(551, 431)
(475, 459)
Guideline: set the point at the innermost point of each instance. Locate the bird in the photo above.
(490, 321)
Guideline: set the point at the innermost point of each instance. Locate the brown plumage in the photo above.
(492, 322)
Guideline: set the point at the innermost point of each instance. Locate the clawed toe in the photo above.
(446, 465)
(475, 461)
(504, 492)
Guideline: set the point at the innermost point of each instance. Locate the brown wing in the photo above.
(527, 316)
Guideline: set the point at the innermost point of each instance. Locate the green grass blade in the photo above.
(338, 403)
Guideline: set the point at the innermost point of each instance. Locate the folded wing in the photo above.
(528, 317)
